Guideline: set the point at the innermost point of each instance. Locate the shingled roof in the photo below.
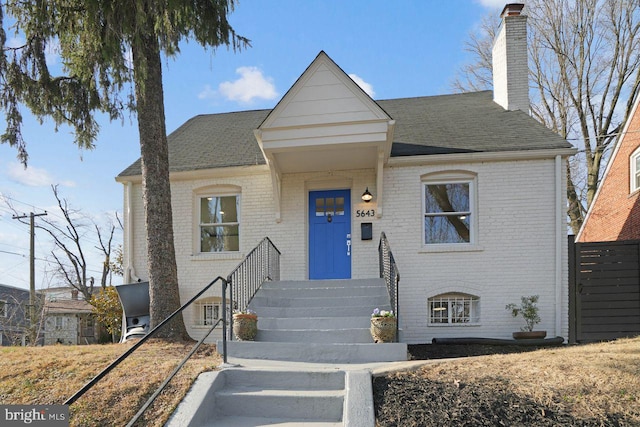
(445, 124)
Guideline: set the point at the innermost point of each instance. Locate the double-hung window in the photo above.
(220, 223)
(634, 166)
(448, 211)
(3, 308)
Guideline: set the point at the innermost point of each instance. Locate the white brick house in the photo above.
(288, 172)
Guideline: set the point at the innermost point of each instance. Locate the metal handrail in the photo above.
(389, 272)
(144, 339)
(167, 380)
(260, 265)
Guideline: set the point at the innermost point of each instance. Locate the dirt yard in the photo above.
(591, 385)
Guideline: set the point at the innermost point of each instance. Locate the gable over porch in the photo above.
(325, 122)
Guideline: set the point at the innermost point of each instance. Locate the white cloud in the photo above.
(207, 93)
(33, 177)
(364, 85)
(251, 85)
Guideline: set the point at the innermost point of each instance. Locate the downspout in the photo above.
(560, 213)
(129, 271)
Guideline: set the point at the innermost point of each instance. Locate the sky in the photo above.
(396, 49)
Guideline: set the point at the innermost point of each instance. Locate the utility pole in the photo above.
(32, 271)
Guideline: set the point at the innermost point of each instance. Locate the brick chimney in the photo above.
(510, 65)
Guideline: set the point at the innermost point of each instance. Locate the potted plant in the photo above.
(245, 324)
(383, 326)
(529, 312)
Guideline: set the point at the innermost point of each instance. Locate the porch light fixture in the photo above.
(367, 196)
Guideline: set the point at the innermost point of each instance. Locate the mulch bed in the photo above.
(445, 351)
(407, 400)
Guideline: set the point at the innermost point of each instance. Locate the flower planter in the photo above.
(529, 335)
(383, 329)
(245, 326)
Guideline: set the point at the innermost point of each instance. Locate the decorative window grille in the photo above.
(208, 311)
(454, 309)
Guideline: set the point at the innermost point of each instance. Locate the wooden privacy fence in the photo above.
(604, 290)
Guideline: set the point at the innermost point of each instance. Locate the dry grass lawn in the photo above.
(590, 382)
(51, 374)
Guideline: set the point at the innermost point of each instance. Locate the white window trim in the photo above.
(215, 191)
(474, 315)
(633, 171)
(452, 177)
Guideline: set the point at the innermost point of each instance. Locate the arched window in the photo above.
(453, 309)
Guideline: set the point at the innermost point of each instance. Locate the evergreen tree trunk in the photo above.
(156, 191)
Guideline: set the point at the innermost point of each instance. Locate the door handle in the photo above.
(348, 244)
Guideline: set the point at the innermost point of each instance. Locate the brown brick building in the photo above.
(615, 211)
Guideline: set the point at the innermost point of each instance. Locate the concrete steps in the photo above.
(314, 322)
(314, 396)
(252, 397)
(320, 321)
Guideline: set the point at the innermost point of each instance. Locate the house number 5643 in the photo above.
(360, 213)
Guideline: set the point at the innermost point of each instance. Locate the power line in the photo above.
(12, 253)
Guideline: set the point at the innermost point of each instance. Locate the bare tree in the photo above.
(584, 68)
(478, 75)
(72, 238)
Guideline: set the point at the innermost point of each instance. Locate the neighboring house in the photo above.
(68, 318)
(14, 315)
(469, 189)
(614, 213)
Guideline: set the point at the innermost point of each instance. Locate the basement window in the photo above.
(454, 309)
(208, 311)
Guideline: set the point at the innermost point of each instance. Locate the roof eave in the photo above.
(481, 156)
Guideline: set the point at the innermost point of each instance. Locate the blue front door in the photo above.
(330, 234)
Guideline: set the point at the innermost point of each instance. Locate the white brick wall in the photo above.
(516, 219)
(515, 253)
